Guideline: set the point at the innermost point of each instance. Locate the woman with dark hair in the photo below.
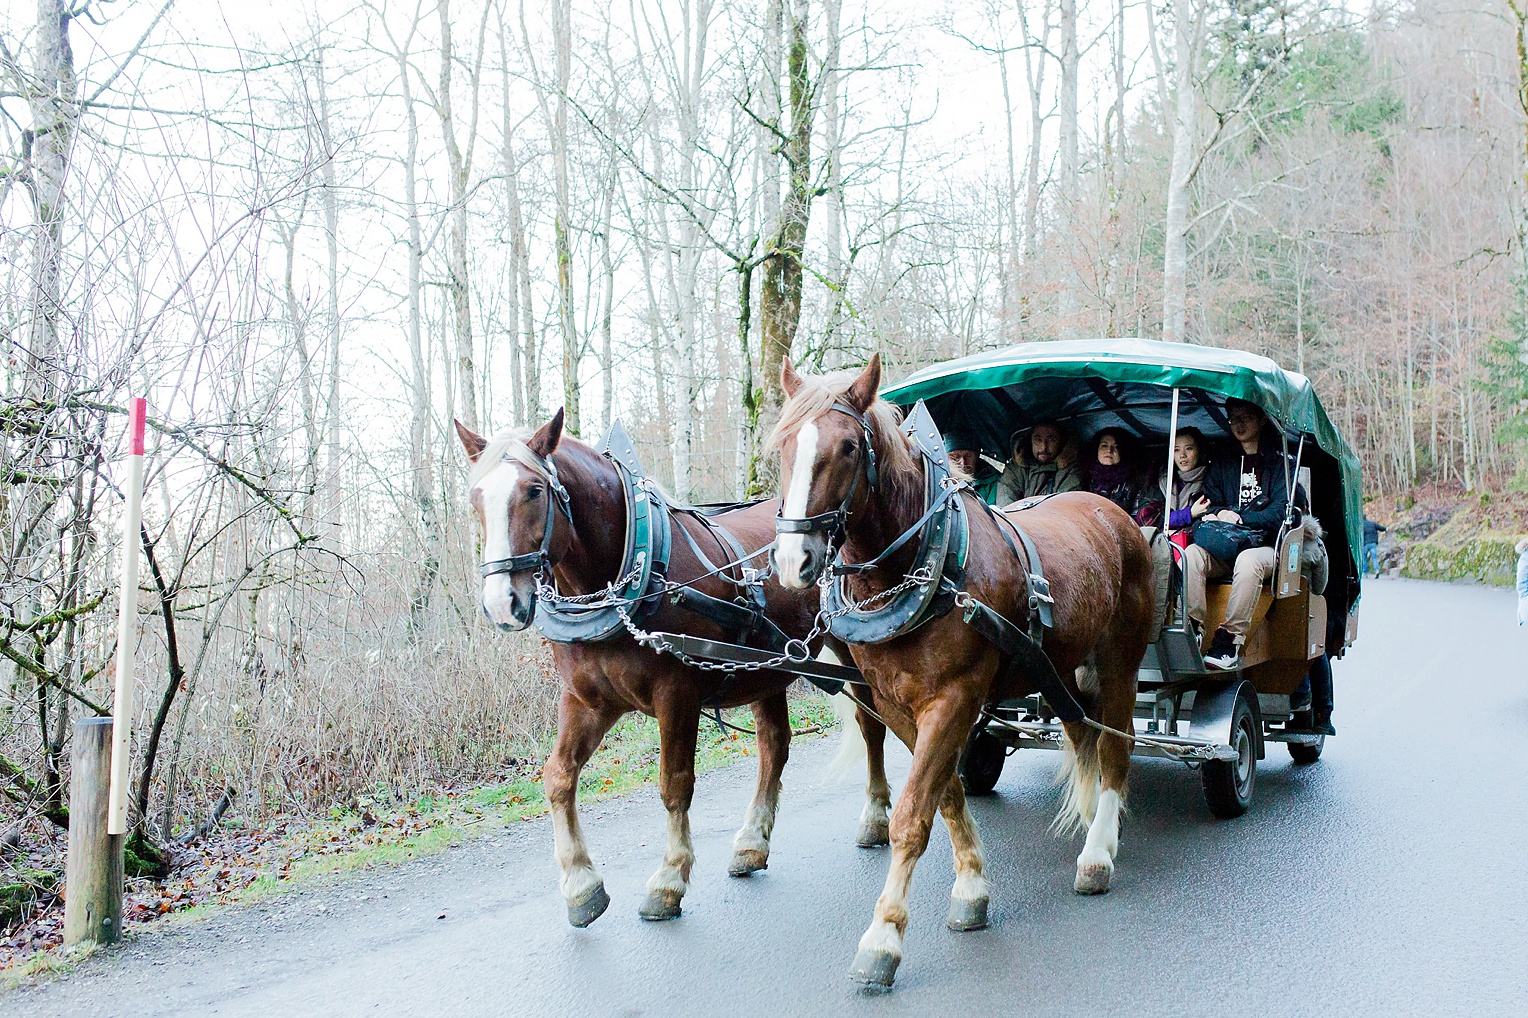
(1189, 502)
(1111, 474)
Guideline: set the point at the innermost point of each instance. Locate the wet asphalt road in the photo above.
(1385, 880)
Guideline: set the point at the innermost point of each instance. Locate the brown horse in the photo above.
(930, 684)
(512, 492)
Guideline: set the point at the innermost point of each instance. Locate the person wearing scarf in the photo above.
(1111, 474)
(1189, 468)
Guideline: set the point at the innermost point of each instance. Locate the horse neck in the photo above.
(881, 514)
(598, 503)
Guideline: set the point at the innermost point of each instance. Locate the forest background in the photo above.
(314, 233)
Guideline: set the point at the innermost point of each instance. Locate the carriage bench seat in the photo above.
(1286, 633)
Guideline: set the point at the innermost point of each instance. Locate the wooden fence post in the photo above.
(93, 892)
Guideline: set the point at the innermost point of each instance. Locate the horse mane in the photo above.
(818, 392)
(507, 444)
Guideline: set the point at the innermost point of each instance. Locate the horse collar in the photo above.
(943, 534)
(644, 558)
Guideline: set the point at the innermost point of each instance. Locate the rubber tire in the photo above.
(1304, 753)
(981, 763)
(1228, 784)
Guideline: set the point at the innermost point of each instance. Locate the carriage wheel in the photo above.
(1228, 783)
(1306, 752)
(981, 763)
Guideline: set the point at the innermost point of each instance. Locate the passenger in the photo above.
(1250, 490)
(1522, 582)
(1189, 503)
(966, 459)
(1111, 474)
(1042, 464)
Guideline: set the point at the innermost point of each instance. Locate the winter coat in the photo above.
(1125, 491)
(1222, 486)
(1024, 478)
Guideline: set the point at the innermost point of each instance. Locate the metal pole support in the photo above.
(93, 892)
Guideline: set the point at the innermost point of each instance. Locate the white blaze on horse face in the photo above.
(790, 549)
(497, 486)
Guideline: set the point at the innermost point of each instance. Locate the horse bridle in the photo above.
(540, 559)
(832, 522)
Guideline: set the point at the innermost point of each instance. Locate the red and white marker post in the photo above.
(127, 625)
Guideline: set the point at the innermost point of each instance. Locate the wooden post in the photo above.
(93, 892)
(127, 619)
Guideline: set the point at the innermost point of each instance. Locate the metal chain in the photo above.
(547, 592)
(796, 650)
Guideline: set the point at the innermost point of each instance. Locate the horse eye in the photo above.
(531, 494)
(847, 448)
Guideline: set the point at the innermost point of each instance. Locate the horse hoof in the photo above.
(967, 915)
(874, 968)
(1092, 879)
(660, 905)
(746, 861)
(582, 913)
(874, 835)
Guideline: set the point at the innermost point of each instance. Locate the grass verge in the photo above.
(241, 865)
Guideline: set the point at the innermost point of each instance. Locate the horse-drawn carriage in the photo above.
(968, 625)
(1150, 390)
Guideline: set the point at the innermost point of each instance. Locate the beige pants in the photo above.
(1251, 572)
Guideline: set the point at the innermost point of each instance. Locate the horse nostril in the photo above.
(808, 564)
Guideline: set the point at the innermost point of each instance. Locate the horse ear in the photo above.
(790, 382)
(472, 442)
(862, 393)
(544, 442)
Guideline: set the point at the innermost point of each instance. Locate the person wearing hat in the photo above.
(965, 457)
(1043, 464)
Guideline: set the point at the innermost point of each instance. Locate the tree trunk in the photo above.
(459, 166)
(563, 43)
(780, 292)
(1190, 21)
(298, 320)
(530, 358)
(607, 300)
(421, 469)
(1068, 169)
(330, 196)
(832, 184)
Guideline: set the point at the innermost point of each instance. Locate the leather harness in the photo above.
(943, 533)
(645, 560)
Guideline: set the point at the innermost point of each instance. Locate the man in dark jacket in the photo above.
(1249, 489)
(1372, 530)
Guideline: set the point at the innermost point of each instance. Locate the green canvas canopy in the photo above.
(1090, 384)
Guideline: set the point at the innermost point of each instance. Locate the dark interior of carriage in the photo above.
(1086, 406)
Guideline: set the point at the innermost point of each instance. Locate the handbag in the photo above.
(1225, 540)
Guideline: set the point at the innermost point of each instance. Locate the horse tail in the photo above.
(1080, 770)
(1080, 773)
(849, 761)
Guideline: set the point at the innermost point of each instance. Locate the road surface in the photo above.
(1385, 880)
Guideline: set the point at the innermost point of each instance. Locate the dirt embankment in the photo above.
(1444, 533)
